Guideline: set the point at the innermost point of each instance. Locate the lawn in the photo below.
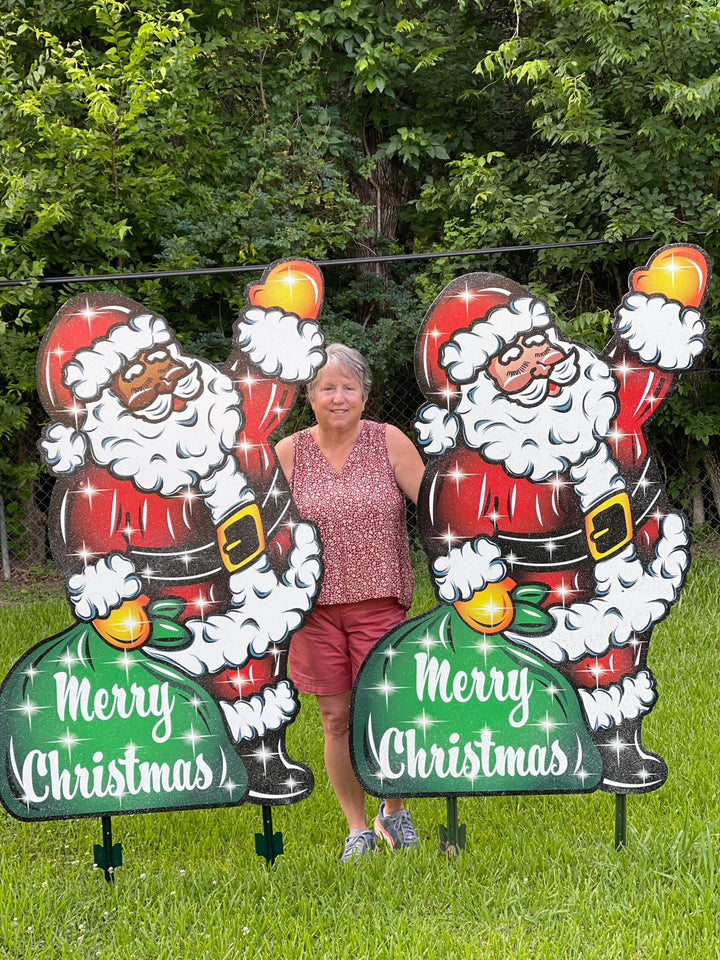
(540, 876)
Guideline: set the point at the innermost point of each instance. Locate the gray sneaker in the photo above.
(397, 828)
(357, 845)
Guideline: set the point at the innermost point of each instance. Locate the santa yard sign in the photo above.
(186, 564)
(553, 550)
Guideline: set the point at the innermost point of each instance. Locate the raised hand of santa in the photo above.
(278, 332)
(660, 317)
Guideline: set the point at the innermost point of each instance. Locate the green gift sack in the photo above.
(440, 709)
(88, 729)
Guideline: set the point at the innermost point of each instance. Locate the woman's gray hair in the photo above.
(349, 360)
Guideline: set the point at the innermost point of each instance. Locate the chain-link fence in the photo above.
(691, 469)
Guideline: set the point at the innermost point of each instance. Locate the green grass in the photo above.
(539, 878)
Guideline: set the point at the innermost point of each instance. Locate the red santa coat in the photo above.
(173, 541)
(540, 528)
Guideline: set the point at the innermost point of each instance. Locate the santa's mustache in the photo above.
(563, 373)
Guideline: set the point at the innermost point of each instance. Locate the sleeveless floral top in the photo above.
(360, 513)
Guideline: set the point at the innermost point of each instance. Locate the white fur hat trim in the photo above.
(92, 369)
(468, 351)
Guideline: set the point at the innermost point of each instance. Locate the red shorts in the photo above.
(326, 654)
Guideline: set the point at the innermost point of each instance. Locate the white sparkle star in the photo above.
(29, 709)
(617, 745)
(262, 755)
(68, 660)
(69, 740)
(31, 673)
(484, 647)
(386, 687)
(192, 737)
(457, 475)
(423, 721)
(125, 661)
(548, 725)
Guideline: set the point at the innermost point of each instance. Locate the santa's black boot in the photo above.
(627, 766)
(272, 776)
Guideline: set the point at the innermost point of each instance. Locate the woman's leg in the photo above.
(335, 716)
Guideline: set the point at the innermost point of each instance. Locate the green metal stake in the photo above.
(107, 855)
(620, 820)
(452, 836)
(267, 843)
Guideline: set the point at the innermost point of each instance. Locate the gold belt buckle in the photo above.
(608, 526)
(241, 538)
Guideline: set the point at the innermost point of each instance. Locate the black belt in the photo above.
(240, 540)
(608, 528)
(177, 566)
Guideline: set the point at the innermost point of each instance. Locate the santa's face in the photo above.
(175, 423)
(155, 384)
(532, 367)
(555, 412)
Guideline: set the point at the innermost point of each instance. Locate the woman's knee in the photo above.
(335, 715)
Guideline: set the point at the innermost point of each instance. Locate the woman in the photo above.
(351, 476)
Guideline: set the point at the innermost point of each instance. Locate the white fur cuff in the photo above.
(661, 331)
(467, 569)
(264, 611)
(64, 448)
(103, 586)
(437, 429)
(281, 344)
(606, 706)
(268, 710)
(226, 490)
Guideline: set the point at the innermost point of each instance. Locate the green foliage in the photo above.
(140, 136)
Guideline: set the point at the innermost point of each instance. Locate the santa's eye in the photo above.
(519, 371)
(536, 340)
(136, 370)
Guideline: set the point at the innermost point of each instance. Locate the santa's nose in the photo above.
(540, 369)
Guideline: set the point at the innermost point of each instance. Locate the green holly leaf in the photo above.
(530, 619)
(532, 593)
(167, 633)
(168, 608)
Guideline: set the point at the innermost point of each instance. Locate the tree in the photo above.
(620, 100)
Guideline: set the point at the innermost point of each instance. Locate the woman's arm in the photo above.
(285, 453)
(405, 460)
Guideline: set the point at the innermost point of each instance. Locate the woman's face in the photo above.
(337, 400)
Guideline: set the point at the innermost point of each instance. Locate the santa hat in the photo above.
(474, 317)
(91, 338)
(472, 320)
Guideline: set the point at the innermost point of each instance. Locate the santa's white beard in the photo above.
(171, 454)
(542, 440)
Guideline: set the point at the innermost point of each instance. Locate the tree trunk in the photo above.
(382, 191)
(697, 505)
